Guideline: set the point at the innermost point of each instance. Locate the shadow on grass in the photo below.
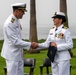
(73, 67)
(74, 56)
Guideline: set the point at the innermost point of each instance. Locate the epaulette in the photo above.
(52, 28)
(12, 20)
(64, 27)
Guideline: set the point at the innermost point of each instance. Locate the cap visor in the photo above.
(54, 16)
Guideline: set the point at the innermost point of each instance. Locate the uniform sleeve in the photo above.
(11, 32)
(68, 44)
(45, 44)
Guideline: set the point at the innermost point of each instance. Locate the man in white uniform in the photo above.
(13, 43)
(60, 37)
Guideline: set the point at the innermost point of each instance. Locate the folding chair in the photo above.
(47, 64)
(30, 62)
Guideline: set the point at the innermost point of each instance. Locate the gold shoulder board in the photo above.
(64, 27)
(12, 20)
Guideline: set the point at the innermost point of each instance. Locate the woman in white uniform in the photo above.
(60, 37)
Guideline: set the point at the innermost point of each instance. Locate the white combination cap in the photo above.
(60, 15)
(21, 6)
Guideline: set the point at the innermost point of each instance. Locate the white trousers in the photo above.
(14, 67)
(61, 68)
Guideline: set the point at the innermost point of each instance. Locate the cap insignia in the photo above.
(55, 13)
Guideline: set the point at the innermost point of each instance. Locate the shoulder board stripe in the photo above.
(64, 27)
(12, 20)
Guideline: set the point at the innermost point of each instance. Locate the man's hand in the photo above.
(34, 45)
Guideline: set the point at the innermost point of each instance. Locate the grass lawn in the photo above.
(39, 59)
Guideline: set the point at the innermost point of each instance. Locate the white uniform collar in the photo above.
(14, 17)
(59, 27)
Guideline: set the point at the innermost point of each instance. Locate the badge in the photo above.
(60, 35)
(55, 34)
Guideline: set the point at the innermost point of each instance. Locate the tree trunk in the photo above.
(33, 29)
(63, 8)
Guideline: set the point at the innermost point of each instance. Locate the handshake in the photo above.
(34, 45)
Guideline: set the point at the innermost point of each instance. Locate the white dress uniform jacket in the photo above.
(62, 37)
(13, 43)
